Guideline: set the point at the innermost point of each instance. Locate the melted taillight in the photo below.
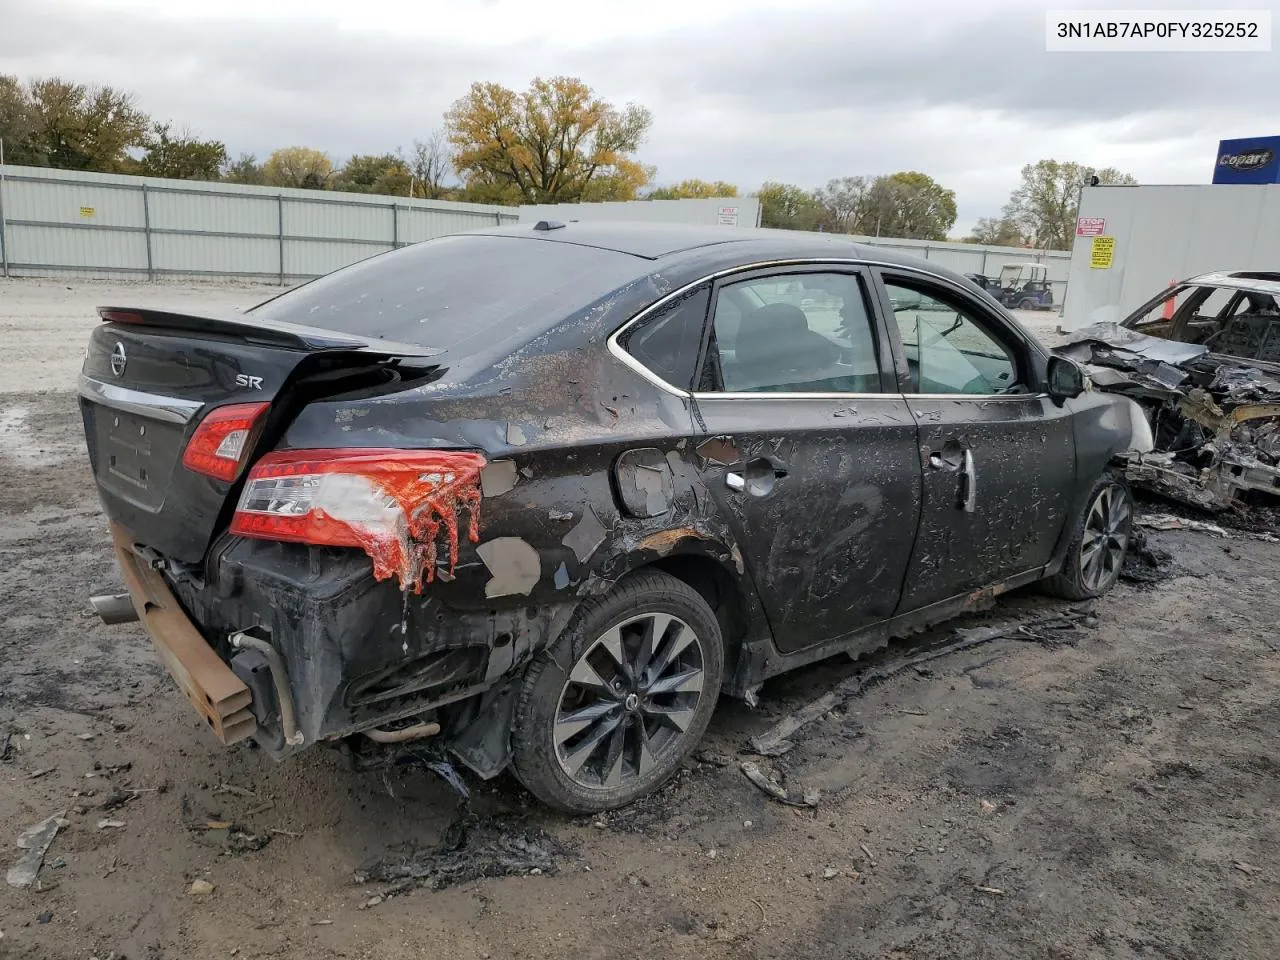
(221, 443)
(393, 504)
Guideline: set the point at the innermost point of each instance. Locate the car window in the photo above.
(949, 347)
(463, 293)
(668, 342)
(1255, 303)
(793, 333)
(1212, 305)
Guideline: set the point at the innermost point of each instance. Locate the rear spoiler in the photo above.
(290, 336)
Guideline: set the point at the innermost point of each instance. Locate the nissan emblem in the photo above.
(118, 359)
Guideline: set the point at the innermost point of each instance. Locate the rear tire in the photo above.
(609, 711)
(1099, 543)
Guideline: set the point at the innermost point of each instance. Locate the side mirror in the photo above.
(1066, 379)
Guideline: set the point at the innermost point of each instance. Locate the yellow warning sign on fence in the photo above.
(88, 212)
(1102, 253)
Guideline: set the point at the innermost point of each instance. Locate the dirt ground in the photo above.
(1107, 793)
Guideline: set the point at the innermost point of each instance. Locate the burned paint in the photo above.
(498, 477)
(559, 514)
(585, 538)
(515, 436)
(664, 541)
(561, 579)
(514, 565)
(645, 482)
(719, 450)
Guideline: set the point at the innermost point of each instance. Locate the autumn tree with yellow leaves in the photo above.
(555, 143)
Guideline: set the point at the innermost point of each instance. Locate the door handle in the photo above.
(969, 494)
(735, 481)
(935, 461)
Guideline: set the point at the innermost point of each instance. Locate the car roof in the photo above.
(1258, 281)
(655, 241)
(677, 247)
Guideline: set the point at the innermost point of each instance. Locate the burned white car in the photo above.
(1203, 359)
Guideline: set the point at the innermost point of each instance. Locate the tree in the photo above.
(556, 142)
(180, 156)
(429, 166)
(996, 231)
(845, 202)
(387, 174)
(1045, 205)
(245, 170)
(788, 207)
(910, 205)
(300, 167)
(82, 128)
(693, 190)
(17, 122)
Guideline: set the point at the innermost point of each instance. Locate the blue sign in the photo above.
(1250, 160)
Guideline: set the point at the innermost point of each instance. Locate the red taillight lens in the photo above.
(220, 443)
(390, 503)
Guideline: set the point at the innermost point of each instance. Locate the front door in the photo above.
(996, 455)
(809, 449)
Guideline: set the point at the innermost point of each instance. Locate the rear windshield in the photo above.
(459, 293)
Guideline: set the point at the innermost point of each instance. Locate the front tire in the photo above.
(1100, 542)
(610, 710)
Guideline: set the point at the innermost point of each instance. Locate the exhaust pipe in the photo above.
(114, 608)
(419, 731)
(242, 640)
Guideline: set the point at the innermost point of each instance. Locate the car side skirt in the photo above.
(761, 660)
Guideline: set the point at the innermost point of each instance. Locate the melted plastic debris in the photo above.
(472, 848)
(430, 502)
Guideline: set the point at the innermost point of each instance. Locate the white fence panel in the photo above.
(67, 223)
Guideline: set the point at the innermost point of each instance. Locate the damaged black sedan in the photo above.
(537, 496)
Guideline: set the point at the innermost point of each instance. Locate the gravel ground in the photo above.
(1106, 793)
(45, 323)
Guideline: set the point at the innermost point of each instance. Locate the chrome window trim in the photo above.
(153, 405)
(763, 395)
(781, 395)
(636, 366)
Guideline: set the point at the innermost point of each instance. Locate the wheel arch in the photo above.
(720, 578)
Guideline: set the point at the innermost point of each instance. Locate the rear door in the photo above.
(809, 448)
(996, 455)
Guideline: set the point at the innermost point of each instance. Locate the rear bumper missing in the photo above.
(209, 683)
(351, 655)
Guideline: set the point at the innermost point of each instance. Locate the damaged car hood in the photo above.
(1215, 419)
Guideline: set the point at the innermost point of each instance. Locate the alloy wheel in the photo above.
(1106, 537)
(628, 701)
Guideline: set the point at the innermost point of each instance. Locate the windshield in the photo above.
(457, 293)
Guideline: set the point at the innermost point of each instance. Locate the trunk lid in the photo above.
(151, 376)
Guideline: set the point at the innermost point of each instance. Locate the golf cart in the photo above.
(1025, 286)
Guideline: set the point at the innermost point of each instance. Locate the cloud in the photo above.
(744, 91)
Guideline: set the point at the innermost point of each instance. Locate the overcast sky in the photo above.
(793, 90)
